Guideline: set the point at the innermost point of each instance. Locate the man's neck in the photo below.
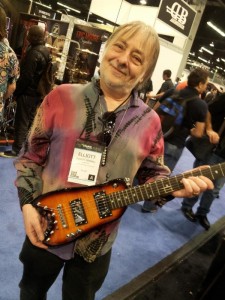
(114, 98)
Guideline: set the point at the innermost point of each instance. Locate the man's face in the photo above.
(124, 63)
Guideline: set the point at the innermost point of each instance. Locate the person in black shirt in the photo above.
(26, 95)
(217, 114)
(193, 123)
(166, 85)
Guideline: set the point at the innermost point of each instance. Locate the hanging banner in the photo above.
(83, 53)
(56, 32)
(178, 15)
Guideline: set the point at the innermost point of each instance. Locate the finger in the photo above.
(202, 181)
(198, 185)
(192, 187)
(208, 182)
(35, 241)
(187, 191)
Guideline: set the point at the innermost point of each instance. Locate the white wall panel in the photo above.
(170, 57)
(106, 9)
(146, 14)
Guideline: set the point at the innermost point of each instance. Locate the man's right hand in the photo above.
(34, 225)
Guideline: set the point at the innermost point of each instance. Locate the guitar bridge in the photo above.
(102, 204)
(78, 212)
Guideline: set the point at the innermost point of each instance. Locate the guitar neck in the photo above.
(161, 187)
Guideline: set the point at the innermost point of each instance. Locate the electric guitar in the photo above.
(73, 212)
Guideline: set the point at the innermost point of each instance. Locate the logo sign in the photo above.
(177, 14)
(43, 12)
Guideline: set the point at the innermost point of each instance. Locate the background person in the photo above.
(106, 114)
(9, 65)
(166, 85)
(193, 122)
(217, 115)
(27, 97)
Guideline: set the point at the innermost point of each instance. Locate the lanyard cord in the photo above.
(114, 111)
(92, 114)
(89, 118)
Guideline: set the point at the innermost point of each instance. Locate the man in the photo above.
(103, 116)
(217, 114)
(166, 85)
(27, 97)
(9, 65)
(194, 122)
(211, 96)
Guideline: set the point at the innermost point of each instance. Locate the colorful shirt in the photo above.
(9, 66)
(68, 112)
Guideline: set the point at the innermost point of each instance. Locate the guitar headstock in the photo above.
(49, 216)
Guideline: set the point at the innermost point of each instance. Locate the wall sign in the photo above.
(177, 14)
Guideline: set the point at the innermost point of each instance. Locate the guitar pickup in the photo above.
(78, 212)
(103, 205)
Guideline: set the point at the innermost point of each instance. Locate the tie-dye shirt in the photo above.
(9, 66)
(72, 110)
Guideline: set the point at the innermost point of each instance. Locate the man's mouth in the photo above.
(118, 70)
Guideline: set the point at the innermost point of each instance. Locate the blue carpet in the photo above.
(143, 239)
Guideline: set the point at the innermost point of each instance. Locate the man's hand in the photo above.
(213, 136)
(193, 186)
(34, 225)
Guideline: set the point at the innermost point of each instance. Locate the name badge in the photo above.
(85, 162)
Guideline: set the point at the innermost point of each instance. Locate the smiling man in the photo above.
(106, 119)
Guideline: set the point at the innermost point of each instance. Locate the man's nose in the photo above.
(124, 58)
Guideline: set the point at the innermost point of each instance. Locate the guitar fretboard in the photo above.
(161, 187)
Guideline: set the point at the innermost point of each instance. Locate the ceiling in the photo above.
(214, 12)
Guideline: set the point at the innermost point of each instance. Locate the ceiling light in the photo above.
(203, 59)
(216, 28)
(143, 2)
(211, 44)
(223, 59)
(207, 50)
(68, 7)
(99, 20)
(39, 3)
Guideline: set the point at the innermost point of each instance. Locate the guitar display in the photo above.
(73, 212)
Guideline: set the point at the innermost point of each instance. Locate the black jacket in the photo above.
(217, 110)
(31, 68)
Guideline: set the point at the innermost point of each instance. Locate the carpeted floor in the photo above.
(183, 281)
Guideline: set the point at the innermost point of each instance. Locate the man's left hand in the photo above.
(193, 186)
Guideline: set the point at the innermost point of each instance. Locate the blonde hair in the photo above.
(150, 42)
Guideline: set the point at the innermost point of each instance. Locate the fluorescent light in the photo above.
(39, 3)
(99, 20)
(211, 44)
(216, 28)
(206, 61)
(223, 59)
(68, 7)
(143, 2)
(207, 50)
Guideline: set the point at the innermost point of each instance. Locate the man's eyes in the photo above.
(135, 57)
